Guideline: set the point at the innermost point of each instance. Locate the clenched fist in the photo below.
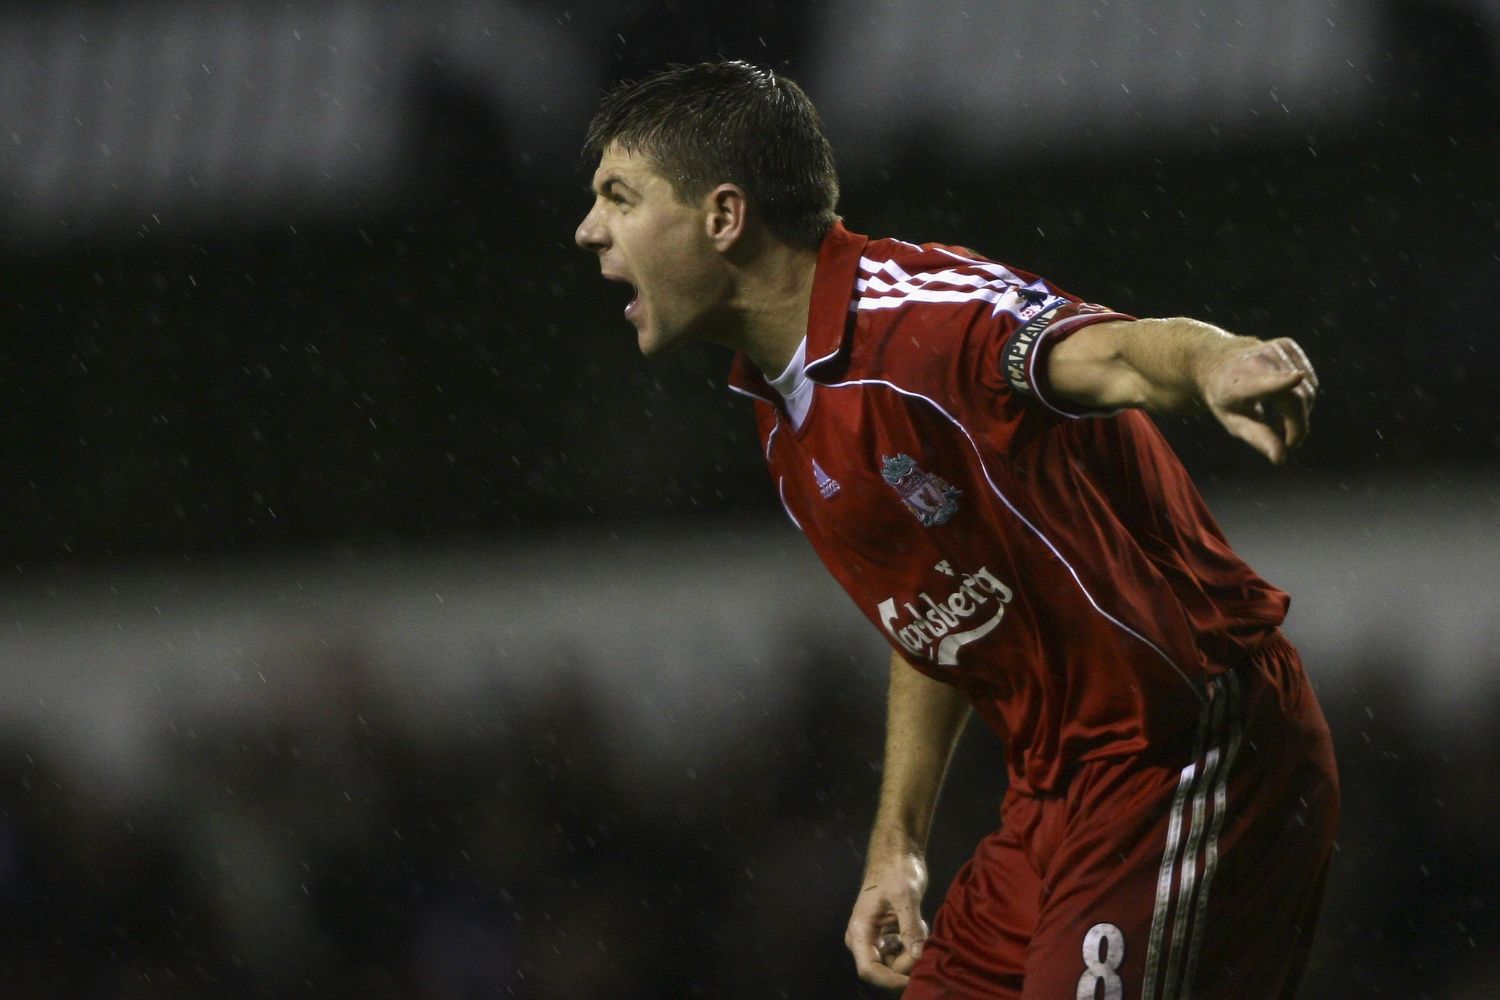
(886, 930)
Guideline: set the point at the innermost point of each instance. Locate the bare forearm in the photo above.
(924, 719)
(1156, 364)
(1261, 391)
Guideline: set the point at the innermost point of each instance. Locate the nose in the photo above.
(590, 234)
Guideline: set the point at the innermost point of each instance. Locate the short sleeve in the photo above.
(1028, 346)
(965, 329)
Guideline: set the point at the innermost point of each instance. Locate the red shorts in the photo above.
(1195, 871)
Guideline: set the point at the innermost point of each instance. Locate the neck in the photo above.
(770, 305)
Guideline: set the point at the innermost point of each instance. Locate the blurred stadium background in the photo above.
(375, 623)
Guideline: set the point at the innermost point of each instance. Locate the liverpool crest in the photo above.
(929, 497)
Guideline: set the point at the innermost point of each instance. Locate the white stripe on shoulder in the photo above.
(991, 283)
(996, 295)
(951, 277)
(1005, 299)
(955, 256)
(996, 271)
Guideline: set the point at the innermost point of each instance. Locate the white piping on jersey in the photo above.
(1022, 518)
(772, 402)
(772, 436)
(752, 395)
(781, 491)
(827, 357)
(774, 427)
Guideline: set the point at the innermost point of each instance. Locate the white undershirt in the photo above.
(795, 387)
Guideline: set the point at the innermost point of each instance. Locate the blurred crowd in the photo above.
(336, 847)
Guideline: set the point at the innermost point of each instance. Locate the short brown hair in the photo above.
(728, 122)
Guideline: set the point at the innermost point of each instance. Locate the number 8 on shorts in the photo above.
(1103, 951)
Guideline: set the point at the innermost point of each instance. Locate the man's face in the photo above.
(649, 238)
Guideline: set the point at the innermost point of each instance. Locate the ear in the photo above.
(726, 217)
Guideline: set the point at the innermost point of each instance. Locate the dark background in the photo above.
(445, 360)
(415, 359)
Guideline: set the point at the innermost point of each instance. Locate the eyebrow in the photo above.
(613, 181)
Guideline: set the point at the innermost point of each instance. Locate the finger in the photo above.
(1257, 435)
(903, 961)
(1299, 360)
(864, 939)
(860, 939)
(913, 928)
(1294, 405)
(1267, 382)
(1292, 358)
(878, 975)
(872, 965)
(1295, 408)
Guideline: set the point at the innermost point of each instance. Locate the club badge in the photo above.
(929, 497)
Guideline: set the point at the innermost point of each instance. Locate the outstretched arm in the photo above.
(1261, 391)
(924, 719)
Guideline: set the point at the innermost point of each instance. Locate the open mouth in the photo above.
(635, 293)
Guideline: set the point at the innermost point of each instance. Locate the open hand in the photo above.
(1263, 396)
(886, 930)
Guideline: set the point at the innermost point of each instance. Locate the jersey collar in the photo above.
(828, 316)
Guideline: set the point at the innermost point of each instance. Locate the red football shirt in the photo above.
(1059, 568)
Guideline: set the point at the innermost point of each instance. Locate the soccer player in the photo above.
(964, 445)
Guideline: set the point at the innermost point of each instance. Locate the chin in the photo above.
(647, 342)
(655, 342)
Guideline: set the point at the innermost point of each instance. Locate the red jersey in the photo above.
(1059, 568)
